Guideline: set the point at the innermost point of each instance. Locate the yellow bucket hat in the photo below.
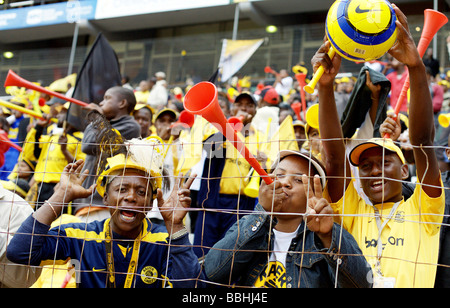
(143, 154)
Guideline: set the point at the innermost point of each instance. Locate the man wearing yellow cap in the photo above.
(53, 151)
(126, 250)
(400, 239)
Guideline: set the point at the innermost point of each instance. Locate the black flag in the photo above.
(360, 102)
(100, 71)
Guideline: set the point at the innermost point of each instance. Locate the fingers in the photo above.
(368, 80)
(321, 58)
(190, 181)
(187, 184)
(272, 177)
(318, 209)
(318, 190)
(91, 188)
(70, 168)
(84, 175)
(184, 197)
(178, 182)
(79, 165)
(159, 198)
(401, 17)
(389, 124)
(307, 187)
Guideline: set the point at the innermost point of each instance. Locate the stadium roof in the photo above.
(264, 12)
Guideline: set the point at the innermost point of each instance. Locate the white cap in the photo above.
(306, 155)
(160, 75)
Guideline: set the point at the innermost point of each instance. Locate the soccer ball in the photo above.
(361, 30)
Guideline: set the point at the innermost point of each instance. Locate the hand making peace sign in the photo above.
(174, 208)
(319, 217)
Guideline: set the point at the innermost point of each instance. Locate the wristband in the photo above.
(179, 234)
(53, 209)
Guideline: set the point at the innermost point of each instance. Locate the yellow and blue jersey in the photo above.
(161, 262)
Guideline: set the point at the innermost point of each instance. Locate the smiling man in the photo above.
(126, 250)
(400, 239)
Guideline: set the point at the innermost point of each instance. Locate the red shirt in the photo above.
(396, 89)
(3, 147)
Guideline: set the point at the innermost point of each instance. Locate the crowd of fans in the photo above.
(224, 222)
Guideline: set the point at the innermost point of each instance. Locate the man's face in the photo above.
(23, 170)
(377, 186)
(162, 125)
(300, 135)
(289, 172)
(245, 107)
(314, 139)
(110, 104)
(144, 118)
(129, 198)
(224, 105)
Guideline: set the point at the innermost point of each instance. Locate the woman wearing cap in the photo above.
(126, 250)
(399, 238)
(290, 241)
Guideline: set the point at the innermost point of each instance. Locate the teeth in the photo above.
(378, 183)
(127, 218)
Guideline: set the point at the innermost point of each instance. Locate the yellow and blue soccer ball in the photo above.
(361, 30)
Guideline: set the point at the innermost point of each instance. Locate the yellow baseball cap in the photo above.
(165, 110)
(140, 106)
(386, 143)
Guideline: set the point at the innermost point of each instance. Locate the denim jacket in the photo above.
(244, 252)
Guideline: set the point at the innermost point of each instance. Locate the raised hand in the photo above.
(331, 66)
(391, 125)
(272, 196)
(69, 188)
(70, 184)
(319, 217)
(174, 209)
(404, 49)
(374, 88)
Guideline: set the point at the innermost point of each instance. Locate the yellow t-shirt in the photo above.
(236, 169)
(141, 97)
(52, 161)
(410, 239)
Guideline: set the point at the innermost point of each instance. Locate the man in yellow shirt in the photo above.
(221, 196)
(53, 151)
(400, 239)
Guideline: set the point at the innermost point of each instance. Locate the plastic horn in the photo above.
(252, 188)
(433, 21)
(312, 116)
(297, 107)
(300, 75)
(185, 119)
(14, 80)
(25, 110)
(318, 74)
(10, 143)
(236, 122)
(444, 119)
(202, 99)
(269, 70)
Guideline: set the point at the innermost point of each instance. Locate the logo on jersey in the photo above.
(149, 274)
(273, 276)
